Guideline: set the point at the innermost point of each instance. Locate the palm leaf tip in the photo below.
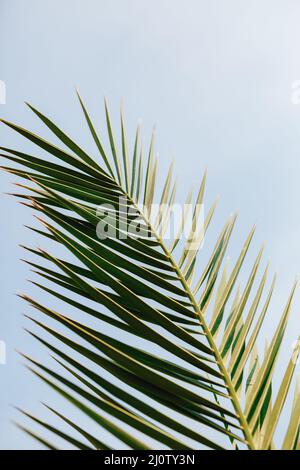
(157, 357)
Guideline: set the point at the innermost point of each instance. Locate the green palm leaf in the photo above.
(158, 355)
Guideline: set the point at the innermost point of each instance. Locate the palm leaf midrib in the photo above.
(222, 367)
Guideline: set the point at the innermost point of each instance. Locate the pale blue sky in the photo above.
(214, 76)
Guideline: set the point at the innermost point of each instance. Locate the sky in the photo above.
(218, 80)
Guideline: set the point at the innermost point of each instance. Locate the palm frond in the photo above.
(159, 354)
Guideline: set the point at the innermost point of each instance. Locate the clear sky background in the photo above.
(214, 76)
